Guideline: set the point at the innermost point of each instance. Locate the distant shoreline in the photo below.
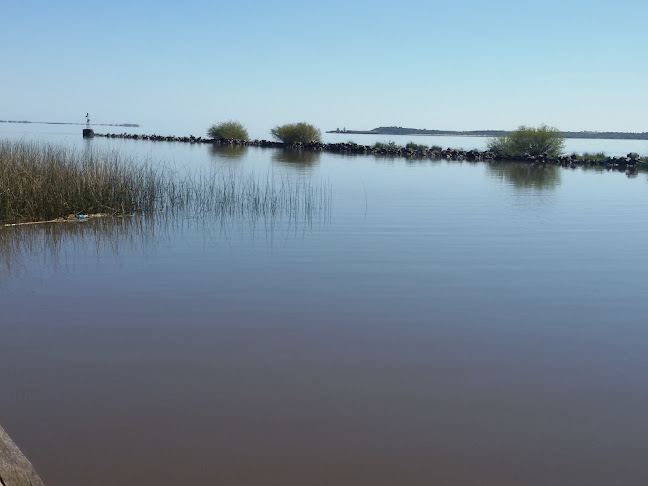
(487, 133)
(70, 123)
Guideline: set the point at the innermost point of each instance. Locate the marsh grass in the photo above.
(252, 197)
(43, 182)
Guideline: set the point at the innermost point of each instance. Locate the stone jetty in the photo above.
(629, 163)
(15, 468)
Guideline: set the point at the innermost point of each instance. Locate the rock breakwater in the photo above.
(629, 163)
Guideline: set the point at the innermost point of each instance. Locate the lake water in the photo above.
(440, 323)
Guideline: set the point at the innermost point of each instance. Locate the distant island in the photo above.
(69, 123)
(486, 133)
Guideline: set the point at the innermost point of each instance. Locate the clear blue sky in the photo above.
(577, 65)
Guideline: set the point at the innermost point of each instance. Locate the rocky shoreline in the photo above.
(15, 468)
(629, 163)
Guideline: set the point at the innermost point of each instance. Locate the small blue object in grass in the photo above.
(82, 216)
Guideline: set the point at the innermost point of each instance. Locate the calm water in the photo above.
(442, 323)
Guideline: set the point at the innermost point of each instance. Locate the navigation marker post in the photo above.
(87, 131)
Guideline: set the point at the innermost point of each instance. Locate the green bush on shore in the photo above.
(297, 133)
(527, 141)
(386, 145)
(416, 146)
(228, 130)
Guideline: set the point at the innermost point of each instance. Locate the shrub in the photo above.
(228, 130)
(415, 146)
(529, 141)
(297, 133)
(436, 148)
(386, 145)
(500, 145)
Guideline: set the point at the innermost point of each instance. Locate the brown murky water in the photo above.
(449, 323)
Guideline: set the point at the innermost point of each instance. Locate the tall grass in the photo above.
(43, 182)
(233, 195)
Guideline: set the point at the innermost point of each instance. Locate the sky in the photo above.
(178, 67)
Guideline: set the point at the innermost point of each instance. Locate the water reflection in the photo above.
(302, 160)
(420, 161)
(525, 175)
(228, 151)
(50, 245)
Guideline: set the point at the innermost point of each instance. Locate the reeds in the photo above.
(234, 195)
(40, 182)
(43, 182)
